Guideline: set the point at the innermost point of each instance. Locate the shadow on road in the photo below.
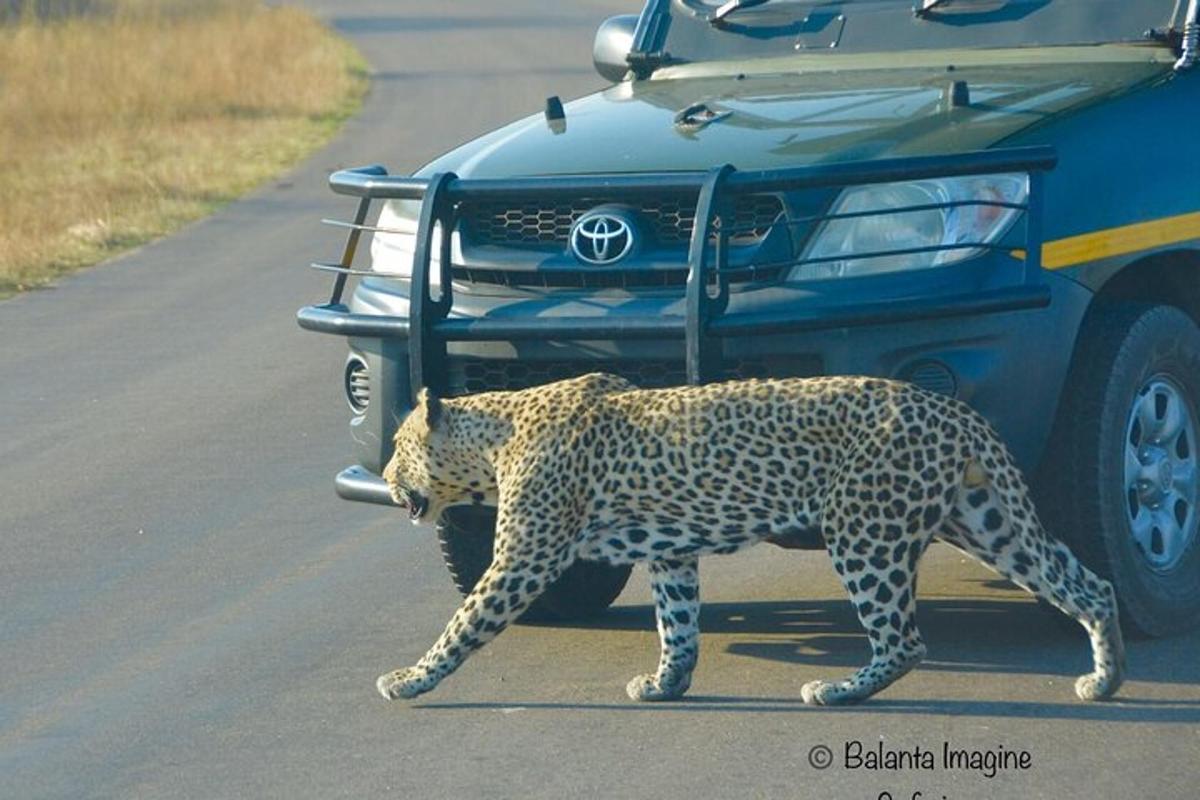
(963, 635)
(1139, 711)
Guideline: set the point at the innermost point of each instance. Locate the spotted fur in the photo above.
(595, 468)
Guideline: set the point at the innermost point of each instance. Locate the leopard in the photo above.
(596, 468)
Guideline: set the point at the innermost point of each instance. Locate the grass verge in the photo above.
(121, 123)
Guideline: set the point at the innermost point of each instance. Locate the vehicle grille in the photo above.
(533, 221)
(585, 278)
(470, 375)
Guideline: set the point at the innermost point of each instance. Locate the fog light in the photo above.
(357, 384)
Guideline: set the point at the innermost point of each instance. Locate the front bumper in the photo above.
(340, 320)
(999, 336)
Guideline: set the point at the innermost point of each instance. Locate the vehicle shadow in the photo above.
(963, 635)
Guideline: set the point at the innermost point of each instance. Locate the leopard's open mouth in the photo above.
(413, 501)
(418, 504)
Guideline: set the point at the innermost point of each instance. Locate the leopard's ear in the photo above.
(430, 405)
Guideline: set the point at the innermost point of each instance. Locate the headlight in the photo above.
(393, 246)
(887, 231)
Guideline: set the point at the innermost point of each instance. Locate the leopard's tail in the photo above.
(993, 519)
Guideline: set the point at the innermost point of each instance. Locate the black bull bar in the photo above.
(429, 325)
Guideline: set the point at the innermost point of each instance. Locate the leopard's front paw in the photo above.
(1097, 686)
(651, 688)
(403, 683)
(827, 693)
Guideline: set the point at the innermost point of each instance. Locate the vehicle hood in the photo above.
(791, 119)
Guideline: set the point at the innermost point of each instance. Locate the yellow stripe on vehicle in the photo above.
(1068, 252)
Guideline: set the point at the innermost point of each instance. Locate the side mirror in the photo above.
(614, 40)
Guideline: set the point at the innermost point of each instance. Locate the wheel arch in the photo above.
(1170, 277)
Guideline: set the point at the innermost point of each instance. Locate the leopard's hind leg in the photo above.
(994, 520)
(875, 551)
(885, 601)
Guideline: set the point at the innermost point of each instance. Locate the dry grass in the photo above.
(120, 124)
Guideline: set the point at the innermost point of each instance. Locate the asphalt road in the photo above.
(186, 611)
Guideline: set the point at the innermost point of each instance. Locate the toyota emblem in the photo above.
(603, 236)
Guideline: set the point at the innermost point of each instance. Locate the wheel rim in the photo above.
(1161, 479)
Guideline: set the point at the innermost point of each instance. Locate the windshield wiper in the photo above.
(718, 16)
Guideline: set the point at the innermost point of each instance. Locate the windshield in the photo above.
(700, 30)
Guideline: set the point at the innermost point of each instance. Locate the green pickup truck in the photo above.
(994, 199)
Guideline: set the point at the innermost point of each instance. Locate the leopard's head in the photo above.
(431, 467)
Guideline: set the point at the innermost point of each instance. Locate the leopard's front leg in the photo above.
(676, 587)
(507, 588)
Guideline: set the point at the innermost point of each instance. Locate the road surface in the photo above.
(186, 611)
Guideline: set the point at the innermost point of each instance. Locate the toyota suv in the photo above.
(998, 200)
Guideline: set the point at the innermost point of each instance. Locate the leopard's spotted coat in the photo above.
(595, 468)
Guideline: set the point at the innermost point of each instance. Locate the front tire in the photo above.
(585, 590)
(1120, 483)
